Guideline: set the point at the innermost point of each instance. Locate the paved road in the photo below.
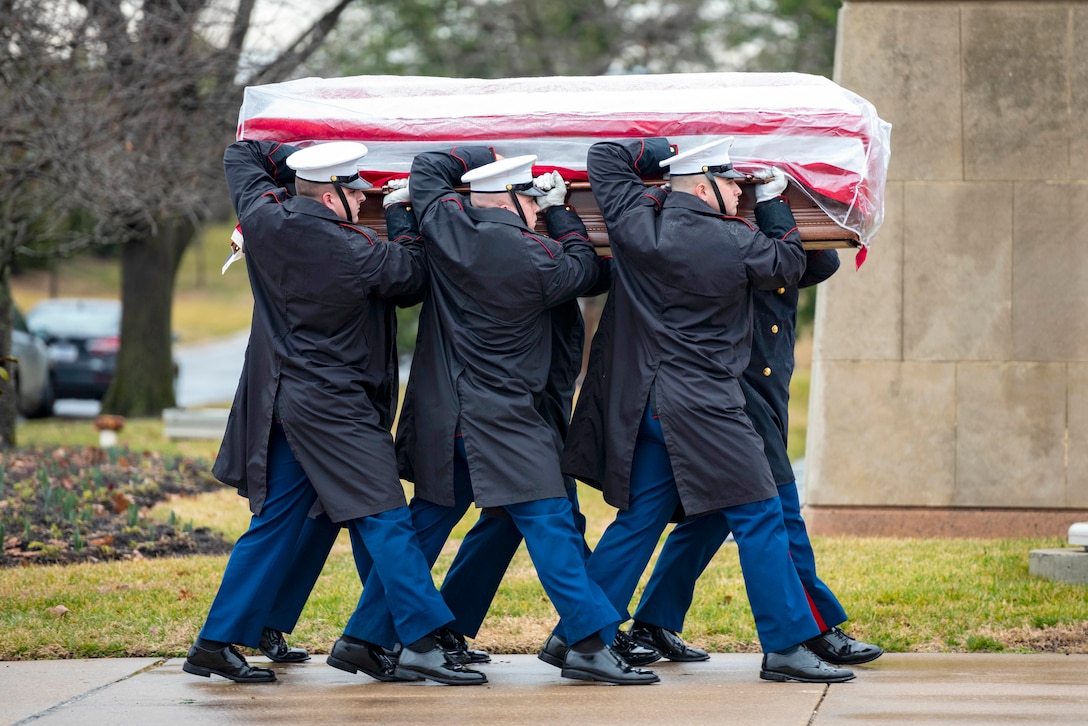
(207, 374)
(900, 689)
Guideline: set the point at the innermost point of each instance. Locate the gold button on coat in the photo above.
(781, 290)
(766, 371)
(774, 329)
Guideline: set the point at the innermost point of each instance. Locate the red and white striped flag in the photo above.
(827, 139)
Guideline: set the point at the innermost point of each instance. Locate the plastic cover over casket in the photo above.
(829, 140)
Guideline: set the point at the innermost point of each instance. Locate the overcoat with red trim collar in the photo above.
(677, 323)
(322, 346)
(484, 347)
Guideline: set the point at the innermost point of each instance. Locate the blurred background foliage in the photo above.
(500, 38)
(131, 101)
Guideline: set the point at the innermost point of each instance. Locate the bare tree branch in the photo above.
(232, 51)
(115, 116)
(303, 48)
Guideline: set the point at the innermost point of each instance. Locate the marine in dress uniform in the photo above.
(308, 432)
(474, 427)
(692, 544)
(660, 425)
(319, 533)
(485, 553)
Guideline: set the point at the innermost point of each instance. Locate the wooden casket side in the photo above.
(817, 229)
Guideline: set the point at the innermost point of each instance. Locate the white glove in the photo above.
(769, 190)
(399, 195)
(237, 248)
(555, 187)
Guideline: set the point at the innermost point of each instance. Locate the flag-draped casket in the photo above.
(830, 141)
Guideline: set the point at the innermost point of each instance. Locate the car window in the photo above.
(75, 319)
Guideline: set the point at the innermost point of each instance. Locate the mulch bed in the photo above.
(68, 505)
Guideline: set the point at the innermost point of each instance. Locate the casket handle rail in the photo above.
(817, 230)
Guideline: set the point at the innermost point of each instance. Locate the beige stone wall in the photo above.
(951, 371)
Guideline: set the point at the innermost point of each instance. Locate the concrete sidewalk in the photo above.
(897, 689)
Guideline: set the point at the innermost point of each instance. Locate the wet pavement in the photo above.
(899, 688)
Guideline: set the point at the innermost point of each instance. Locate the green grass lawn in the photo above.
(914, 595)
(905, 594)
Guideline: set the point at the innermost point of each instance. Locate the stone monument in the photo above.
(950, 373)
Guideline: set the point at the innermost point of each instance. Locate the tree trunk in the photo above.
(7, 387)
(143, 384)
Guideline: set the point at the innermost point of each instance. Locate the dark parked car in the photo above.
(32, 374)
(83, 337)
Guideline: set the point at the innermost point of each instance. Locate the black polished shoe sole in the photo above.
(207, 672)
(783, 677)
(858, 660)
(580, 675)
(407, 673)
(669, 655)
(685, 658)
(376, 675)
(468, 658)
(550, 659)
(640, 661)
(475, 658)
(652, 655)
(275, 659)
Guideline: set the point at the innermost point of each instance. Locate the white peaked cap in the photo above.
(513, 174)
(333, 161)
(711, 157)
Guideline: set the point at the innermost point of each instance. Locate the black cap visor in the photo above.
(354, 182)
(527, 189)
(725, 171)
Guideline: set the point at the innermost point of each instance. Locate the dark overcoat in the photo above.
(322, 346)
(484, 347)
(568, 338)
(766, 380)
(678, 320)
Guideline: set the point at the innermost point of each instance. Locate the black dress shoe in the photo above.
(226, 662)
(837, 647)
(358, 655)
(606, 666)
(554, 651)
(276, 649)
(801, 665)
(667, 643)
(436, 665)
(634, 653)
(454, 644)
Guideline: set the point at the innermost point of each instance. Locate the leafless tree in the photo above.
(115, 114)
